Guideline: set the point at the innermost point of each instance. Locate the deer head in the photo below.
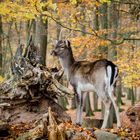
(62, 48)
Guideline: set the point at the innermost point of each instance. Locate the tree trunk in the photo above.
(0, 45)
(88, 106)
(103, 24)
(129, 94)
(29, 27)
(41, 38)
(138, 93)
(34, 30)
(96, 28)
(96, 19)
(113, 18)
(132, 96)
(118, 92)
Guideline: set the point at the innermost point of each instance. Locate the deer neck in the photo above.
(66, 63)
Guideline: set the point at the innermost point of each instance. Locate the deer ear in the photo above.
(67, 43)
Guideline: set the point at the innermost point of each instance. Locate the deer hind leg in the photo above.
(107, 105)
(115, 106)
(80, 105)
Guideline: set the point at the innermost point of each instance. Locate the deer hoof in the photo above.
(78, 124)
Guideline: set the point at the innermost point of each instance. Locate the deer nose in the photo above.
(53, 52)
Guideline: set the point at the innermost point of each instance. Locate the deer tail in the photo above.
(112, 74)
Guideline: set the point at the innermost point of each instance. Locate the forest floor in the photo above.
(98, 114)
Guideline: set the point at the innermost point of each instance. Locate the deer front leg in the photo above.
(80, 105)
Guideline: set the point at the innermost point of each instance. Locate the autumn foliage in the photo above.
(76, 17)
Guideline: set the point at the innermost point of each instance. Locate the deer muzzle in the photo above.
(54, 53)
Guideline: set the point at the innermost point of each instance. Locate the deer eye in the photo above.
(62, 48)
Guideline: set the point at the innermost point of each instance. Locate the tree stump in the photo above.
(26, 96)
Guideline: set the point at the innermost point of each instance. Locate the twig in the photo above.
(114, 42)
(5, 105)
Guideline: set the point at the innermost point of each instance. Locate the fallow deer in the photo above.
(99, 76)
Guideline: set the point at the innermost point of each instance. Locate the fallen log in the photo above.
(27, 95)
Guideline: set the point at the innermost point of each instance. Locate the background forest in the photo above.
(96, 29)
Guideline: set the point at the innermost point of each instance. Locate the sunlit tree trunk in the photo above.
(138, 93)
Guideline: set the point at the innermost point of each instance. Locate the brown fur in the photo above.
(87, 70)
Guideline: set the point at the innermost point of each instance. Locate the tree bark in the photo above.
(41, 38)
(88, 106)
(103, 24)
(0, 45)
(95, 27)
(113, 18)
